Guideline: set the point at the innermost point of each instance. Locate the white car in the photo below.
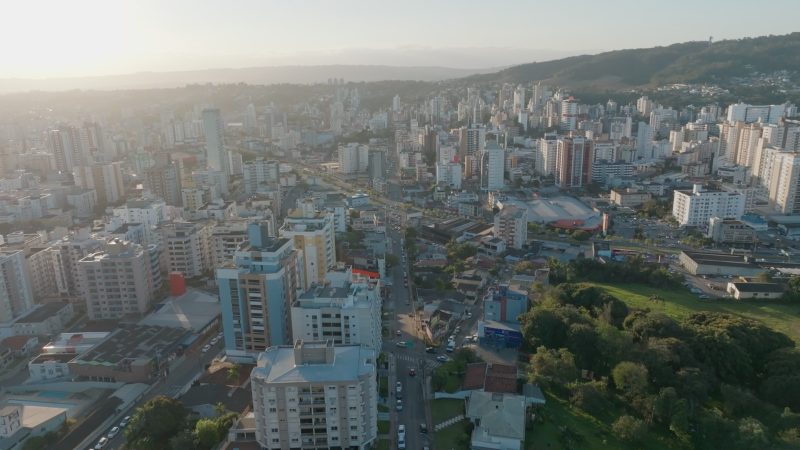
(125, 421)
(442, 358)
(206, 348)
(401, 432)
(214, 341)
(401, 443)
(113, 432)
(101, 443)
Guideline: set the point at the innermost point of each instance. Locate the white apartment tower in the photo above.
(313, 233)
(16, 294)
(493, 167)
(694, 208)
(315, 396)
(216, 157)
(511, 225)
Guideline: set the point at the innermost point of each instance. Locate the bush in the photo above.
(590, 397)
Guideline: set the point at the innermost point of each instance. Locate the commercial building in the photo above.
(347, 312)
(186, 247)
(16, 295)
(50, 366)
(505, 303)
(313, 233)
(47, 319)
(731, 232)
(256, 292)
(694, 208)
(315, 395)
(756, 291)
(131, 354)
(511, 225)
(628, 197)
(118, 280)
(717, 263)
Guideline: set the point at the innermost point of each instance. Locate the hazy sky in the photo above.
(55, 38)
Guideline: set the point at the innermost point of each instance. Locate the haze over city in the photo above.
(51, 38)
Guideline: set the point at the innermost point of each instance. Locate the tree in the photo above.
(206, 433)
(581, 235)
(524, 267)
(392, 260)
(233, 372)
(629, 429)
(752, 434)
(154, 423)
(630, 377)
(553, 366)
(184, 439)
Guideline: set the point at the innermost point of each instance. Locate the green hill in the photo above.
(688, 62)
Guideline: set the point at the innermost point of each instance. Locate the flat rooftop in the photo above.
(277, 365)
(57, 357)
(719, 259)
(193, 310)
(43, 312)
(132, 342)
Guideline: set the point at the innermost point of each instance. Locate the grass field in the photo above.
(562, 423)
(383, 444)
(446, 408)
(680, 303)
(383, 427)
(453, 437)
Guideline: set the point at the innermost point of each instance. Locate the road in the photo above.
(180, 375)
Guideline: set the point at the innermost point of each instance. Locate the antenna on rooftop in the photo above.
(710, 40)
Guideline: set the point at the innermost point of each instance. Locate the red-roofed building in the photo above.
(497, 378)
(20, 345)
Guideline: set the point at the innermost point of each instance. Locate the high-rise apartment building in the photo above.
(353, 158)
(16, 294)
(546, 155)
(105, 179)
(258, 173)
(216, 155)
(448, 174)
(784, 188)
(256, 292)
(66, 145)
(569, 115)
(493, 162)
(694, 208)
(313, 233)
(164, 181)
(471, 142)
(118, 280)
(574, 158)
(315, 396)
(186, 247)
(511, 225)
(346, 311)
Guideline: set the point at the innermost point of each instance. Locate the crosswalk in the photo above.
(415, 359)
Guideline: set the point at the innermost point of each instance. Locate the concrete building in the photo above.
(717, 263)
(225, 240)
(313, 234)
(106, 179)
(213, 129)
(499, 420)
(546, 155)
(118, 281)
(315, 396)
(493, 167)
(186, 247)
(730, 232)
(164, 181)
(47, 367)
(628, 197)
(448, 174)
(16, 294)
(784, 184)
(46, 320)
(82, 201)
(574, 158)
(260, 172)
(353, 157)
(755, 291)
(505, 303)
(65, 255)
(147, 212)
(694, 208)
(345, 313)
(256, 292)
(511, 225)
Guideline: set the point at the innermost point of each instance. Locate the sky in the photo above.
(60, 38)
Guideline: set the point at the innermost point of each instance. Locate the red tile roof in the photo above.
(474, 376)
(499, 378)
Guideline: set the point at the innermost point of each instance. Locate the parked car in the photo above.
(101, 443)
(423, 428)
(206, 348)
(401, 344)
(442, 358)
(398, 332)
(125, 421)
(430, 349)
(401, 431)
(113, 432)
(399, 406)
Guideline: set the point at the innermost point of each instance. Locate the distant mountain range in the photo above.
(688, 62)
(252, 75)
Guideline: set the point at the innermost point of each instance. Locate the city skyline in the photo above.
(93, 38)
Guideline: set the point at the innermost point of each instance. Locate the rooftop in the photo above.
(501, 415)
(759, 287)
(719, 259)
(277, 365)
(193, 310)
(57, 357)
(132, 343)
(43, 312)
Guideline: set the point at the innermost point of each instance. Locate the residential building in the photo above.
(574, 158)
(145, 211)
(448, 174)
(629, 197)
(694, 208)
(353, 158)
(118, 280)
(186, 247)
(499, 420)
(756, 291)
(546, 156)
(163, 180)
(216, 155)
(347, 312)
(106, 179)
(16, 294)
(505, 303)
(511, 225)
(260, 172)
(784, 187)
(569, 115)
(225, 240)
(315, 396)
(313, 234)
(493, 167)
(65, 255)
(742, 112)
(256, 292)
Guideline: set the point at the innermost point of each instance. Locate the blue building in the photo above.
(505, 303)
(256, 292)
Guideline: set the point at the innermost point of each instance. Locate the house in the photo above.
(499, 421)
(20, 345)
(498, 378)
(764, 291)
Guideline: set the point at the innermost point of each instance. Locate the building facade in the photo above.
(694, 208)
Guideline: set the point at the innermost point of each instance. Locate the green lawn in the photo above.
(454, 437)
(448, 371)
(561, 423)
(446, 408)
(680, 303)
(383, 408)
(383, 386)
(383, 444)
(383, 427)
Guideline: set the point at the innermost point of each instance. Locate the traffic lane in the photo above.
(413, 413)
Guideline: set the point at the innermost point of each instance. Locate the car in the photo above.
(401, 431)
(206, 348)
(401, 344)
(442, 358)
(398, 332)
(125, 421)
(457, 330)
(401, 443)
(412, 372)
(220, 335)
(423, 428)
(113, 432)
(214, 341)
(703, 297)
(469, 315)
(430, 349)
(399, 406)
(101, 443)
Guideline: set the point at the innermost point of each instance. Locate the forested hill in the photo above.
(688, 62)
